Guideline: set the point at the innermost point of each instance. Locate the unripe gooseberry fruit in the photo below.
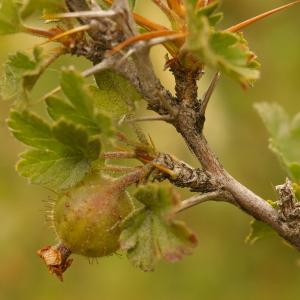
(87, 218)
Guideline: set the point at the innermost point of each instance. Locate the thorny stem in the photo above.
(186, 113)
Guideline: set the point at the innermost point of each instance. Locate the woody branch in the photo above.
(185, 111)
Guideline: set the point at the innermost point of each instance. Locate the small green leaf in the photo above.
(62, 154)
(151, 232)
(110, 102)
(115, 94)
(259, 230)
(9, 17)
(53, 170)
(32, 6)
(285, 137)
(81, 106)
(21, 73)
(227, 52)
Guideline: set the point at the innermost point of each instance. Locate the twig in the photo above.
(184, 108)
(198, 199)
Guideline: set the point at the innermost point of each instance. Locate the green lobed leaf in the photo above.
(61, 155)
(21, 72)
(285, 137)
(151, 232)
(227, 52)
(81, 106)
(9, 17)
(259, 230)
(32, 130)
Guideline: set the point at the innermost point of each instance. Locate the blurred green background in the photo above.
(223, 267)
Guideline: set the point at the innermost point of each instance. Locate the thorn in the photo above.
(51, 93)
(250, 21)
(164, 169)
(114, 226)
(170, 13)
(67, 33)
(152, 143)
(150, 118)
(177, 7)
(208, 93)
(38, 32)
(144, 22)
(79, 14)
(141, 37)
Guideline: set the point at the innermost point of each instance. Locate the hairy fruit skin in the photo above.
(87, 218)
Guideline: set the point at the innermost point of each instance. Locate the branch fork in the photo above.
(187, 115)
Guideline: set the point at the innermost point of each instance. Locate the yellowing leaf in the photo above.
(152, 232)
